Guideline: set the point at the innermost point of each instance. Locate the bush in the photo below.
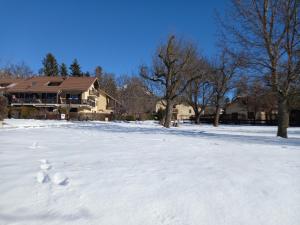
(62, 110)
(160, 114)
(28, 112)
(3, 108)
(130, 118)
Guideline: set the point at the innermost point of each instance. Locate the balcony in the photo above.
(52, 102)
(28, 101)
(85, 102)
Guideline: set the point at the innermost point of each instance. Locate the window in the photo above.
(4, 84)
(190, 111)
(73, 110)
(51, 84)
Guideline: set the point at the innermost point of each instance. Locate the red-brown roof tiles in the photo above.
(41, 84)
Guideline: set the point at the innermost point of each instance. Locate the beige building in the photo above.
(181, 111)
(239, 110)
(77, 94)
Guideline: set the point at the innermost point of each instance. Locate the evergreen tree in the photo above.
(50, 66)
(75, 69)
(87, 74)
(63, 70)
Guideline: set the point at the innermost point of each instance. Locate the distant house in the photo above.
(181, 111)
(239, 109)
(77, 94)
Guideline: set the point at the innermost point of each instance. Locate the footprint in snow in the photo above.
(43, 161)
(42, 177)
(60, 179)
(45, 165)
(34, 145)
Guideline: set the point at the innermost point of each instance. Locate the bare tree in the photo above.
(108, 83)
(199, 92)
(98, 72)
(223, 79)
(268, 32)
(135, 97)
(257, 96)
(20, 70)
(171, 69)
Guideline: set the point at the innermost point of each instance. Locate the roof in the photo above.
(9, 82)
(77, 83)
(41, 84)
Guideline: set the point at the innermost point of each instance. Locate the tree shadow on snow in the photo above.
(230, 136)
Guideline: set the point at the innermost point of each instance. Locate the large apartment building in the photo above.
(77, 94)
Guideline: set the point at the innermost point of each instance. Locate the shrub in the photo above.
(130, 118)
(160, 114)
(28, 112)
(3, 108)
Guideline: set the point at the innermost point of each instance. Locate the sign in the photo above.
(62, 116)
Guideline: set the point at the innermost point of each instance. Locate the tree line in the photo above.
(52, 68)
(258, 52)
(258, 58)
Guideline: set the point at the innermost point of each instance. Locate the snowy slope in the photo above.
(57, 172)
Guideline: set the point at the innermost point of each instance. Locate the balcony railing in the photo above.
(34, 101)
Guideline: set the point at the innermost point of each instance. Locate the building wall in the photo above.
(181, 111)
(100, 102)
(184, 112)
(243, 112)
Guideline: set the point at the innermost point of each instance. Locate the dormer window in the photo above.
(54, 83)
(4, 85)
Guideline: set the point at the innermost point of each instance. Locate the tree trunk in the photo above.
(283, 117)
(197, 114)
(197, 117)
(217, 116)
(168, 115)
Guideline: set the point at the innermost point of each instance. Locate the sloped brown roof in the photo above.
(37, 84)
(40, 84)
(77, 83)
(10, 82)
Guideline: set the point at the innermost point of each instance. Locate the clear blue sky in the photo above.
(117, 35)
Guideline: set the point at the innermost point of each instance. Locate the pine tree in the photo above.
(63, 70)
(50, 66)
(87, 74)
(75, 69)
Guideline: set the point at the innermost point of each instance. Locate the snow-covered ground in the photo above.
(94, 173)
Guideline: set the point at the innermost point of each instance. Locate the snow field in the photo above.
(140, 173)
